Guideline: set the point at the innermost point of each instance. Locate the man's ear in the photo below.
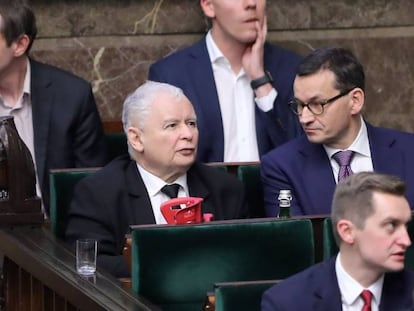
(346, 231)
(357, 100)
(20, 45)
(134, 136)
(208, 8)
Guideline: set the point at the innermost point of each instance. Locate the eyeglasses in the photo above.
(316, 107)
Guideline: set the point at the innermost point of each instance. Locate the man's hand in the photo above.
(252, 60)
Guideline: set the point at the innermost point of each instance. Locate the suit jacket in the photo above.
(317, 289)
(305, 169)
(190, 69)
(107, 203)
(67, 129)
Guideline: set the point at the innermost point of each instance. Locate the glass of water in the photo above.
(86, 251)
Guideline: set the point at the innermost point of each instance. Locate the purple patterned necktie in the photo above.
(344, 160)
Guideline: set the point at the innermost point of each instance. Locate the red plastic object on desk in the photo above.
(189, 214)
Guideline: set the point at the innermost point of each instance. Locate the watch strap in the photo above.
(256, 83)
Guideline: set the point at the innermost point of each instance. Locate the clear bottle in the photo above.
(4, 184)
(284, 198)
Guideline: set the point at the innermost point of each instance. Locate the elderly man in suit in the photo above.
(54, 111)
(238, 83)
(369, 218)
(161, 128)
(329, 98)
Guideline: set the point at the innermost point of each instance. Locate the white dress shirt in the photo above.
(154, 185)
(362, 160)
(237, 106)
(351, 290)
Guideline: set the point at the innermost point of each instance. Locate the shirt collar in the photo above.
(350, 289)
(26, 90)
(27, 79)
(217, 58)
(360, 145)
(154, 183)
(213, 51)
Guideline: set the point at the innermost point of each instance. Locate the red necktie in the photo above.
(366, 296)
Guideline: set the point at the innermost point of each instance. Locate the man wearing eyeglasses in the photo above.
(329, 91)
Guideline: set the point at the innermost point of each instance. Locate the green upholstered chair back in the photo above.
(330, 248)
(329, 245)
(236, 296)
(218, 165)
(117, 144)
(175, 266)
(62, 183)
(249, 174)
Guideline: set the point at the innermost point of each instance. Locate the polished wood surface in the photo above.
(40, 274)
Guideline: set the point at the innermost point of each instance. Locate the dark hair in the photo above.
(17, 19)
(348, 71)
(353, 197)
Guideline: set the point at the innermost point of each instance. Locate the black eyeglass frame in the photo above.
(294, 103)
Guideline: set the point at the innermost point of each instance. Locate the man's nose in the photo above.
(250, 3)
(405, 238)
(187, 131)
(306, 116)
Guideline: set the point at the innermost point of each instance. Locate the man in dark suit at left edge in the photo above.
(161, 127)
(54, 111)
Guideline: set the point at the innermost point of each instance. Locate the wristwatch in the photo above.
(267, 78)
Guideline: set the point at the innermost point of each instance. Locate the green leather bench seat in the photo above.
(236, 296)
(175, 266)
(250, 176)
(62, 184)
(329, 245)
(63, 181)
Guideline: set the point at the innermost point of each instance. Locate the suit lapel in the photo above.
(385, 157)
(140, 208)
(41, 100)
(317, 177)
(198, 189)
(326, 292)
(207, 105)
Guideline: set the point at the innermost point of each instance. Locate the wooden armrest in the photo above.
(210, 303)
(127, 252)
(126, 283)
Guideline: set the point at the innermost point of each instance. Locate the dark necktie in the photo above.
(343, 158)
(171, 190)
(366, 296)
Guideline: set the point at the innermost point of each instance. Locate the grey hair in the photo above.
(138, 104)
